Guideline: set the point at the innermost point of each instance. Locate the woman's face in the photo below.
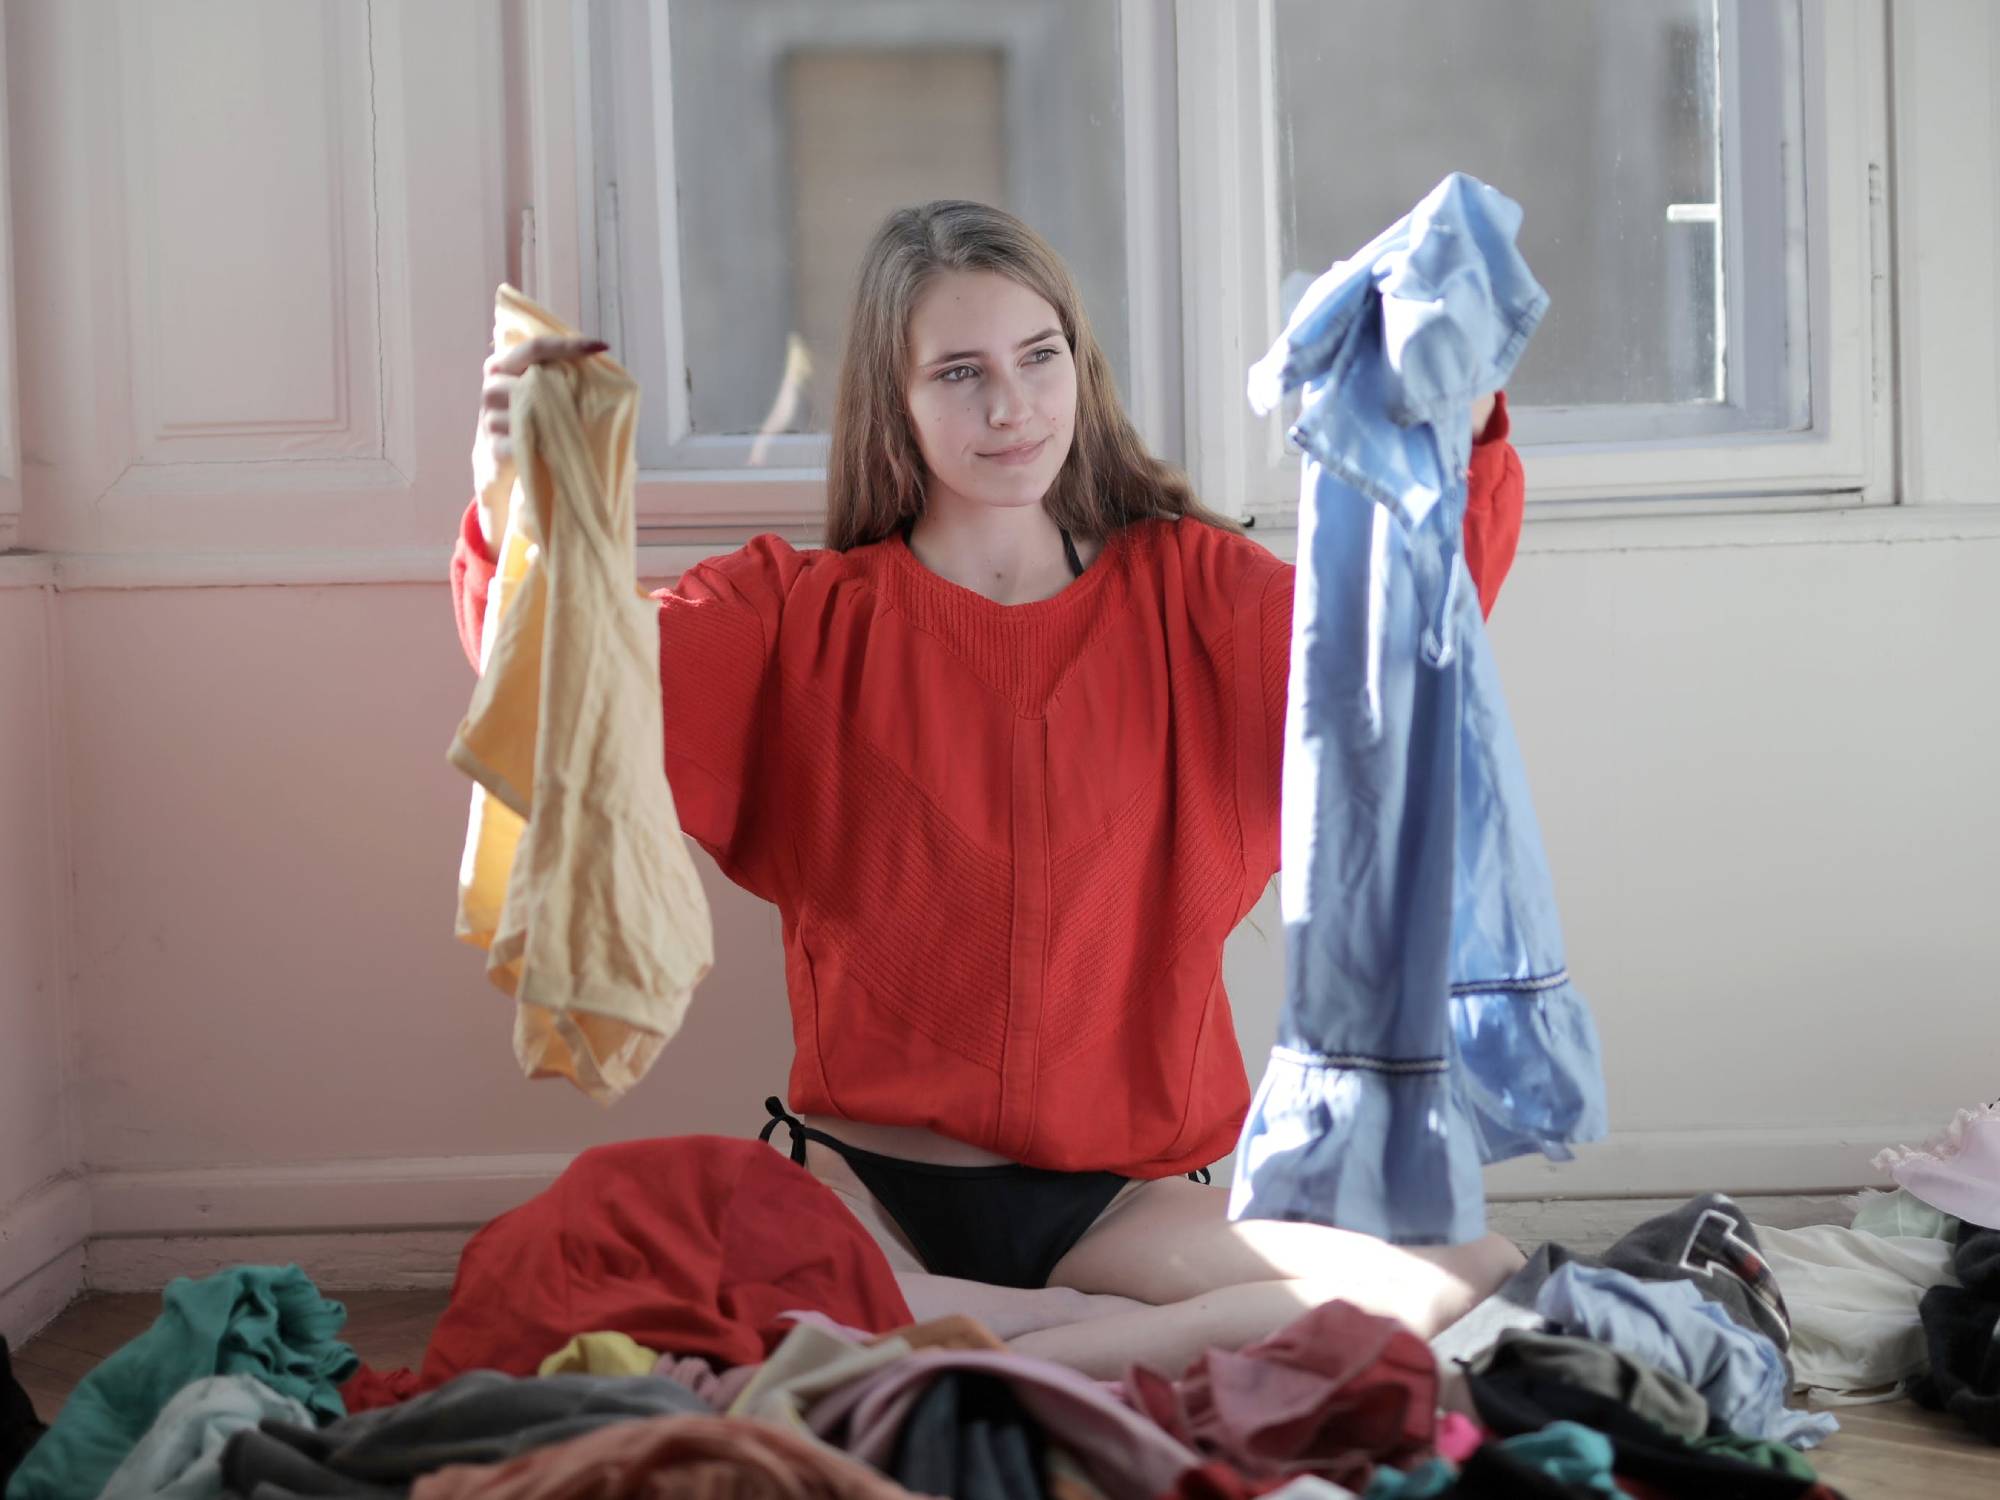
(992, 389)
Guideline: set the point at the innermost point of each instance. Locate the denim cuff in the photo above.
(1359, 1147)
(1393, 1147)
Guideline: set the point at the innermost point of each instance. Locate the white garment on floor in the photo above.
(1853, 1298)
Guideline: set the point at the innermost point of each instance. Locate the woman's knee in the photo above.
(1480, 1265)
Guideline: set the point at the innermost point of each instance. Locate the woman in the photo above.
(1006, 756)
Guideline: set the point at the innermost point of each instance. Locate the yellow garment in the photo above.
(600, 1354)
(576, 878)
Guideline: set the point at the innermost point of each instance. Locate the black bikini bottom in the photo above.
(1005, 1225)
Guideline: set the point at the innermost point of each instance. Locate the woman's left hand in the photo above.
(1482, 413)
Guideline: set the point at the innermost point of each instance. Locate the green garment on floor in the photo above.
(264, 1321)
(1565, 1451)
(1903, 1213)
(1778, 1456)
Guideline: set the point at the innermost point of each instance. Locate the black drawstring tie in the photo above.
(797, 1127)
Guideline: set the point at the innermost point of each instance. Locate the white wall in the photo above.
(265, 885)
(1765, 775)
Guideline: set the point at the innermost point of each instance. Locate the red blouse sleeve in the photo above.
(1495, 491)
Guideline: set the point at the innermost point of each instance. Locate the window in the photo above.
(1696, 176)
(725, 270)
(1604, 123)
(1701, 182)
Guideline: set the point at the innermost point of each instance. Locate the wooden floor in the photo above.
(1892, 1452)
(387, 1329)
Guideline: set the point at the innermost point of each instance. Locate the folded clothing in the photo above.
(1853, 1297)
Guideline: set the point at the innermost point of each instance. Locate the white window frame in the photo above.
(1230, 244)
(573, 267)
(1201, 250)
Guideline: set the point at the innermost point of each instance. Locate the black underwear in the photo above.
(1005, 1225)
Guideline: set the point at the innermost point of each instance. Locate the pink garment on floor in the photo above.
(719, 1390)
(1956, 1171)
(1459, 1437)
(1332, 1394)
(1129, 1457)
(669, 1458)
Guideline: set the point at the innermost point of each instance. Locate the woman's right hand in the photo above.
(492, 443)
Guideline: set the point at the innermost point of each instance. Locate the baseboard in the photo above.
(396, 1194)
(1679, 1163)
(400, 1222)
(451, 1192)
(31, 1304)
(1590, 1225)
(424, 1259)
(36, 1231)
(371, 1194)
(408, 1260)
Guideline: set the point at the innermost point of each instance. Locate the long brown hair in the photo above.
(875, 473)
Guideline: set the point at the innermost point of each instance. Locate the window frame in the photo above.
(581, 241)
(1197, 83)
(1841, 458)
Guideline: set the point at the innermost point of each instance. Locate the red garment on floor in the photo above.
(1332, 1393)
(1007, 843)
(692, 1245)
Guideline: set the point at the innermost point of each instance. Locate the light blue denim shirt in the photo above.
(1430, 1025)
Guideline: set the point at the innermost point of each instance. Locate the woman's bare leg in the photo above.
(1202, 1281)
(1214, 1283)
(1006, 1311)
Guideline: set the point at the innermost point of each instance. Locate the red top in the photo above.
(1006, 841)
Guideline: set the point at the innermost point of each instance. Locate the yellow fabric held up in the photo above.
(576, 879)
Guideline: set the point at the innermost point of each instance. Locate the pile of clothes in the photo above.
(1949, 1188)
(700, 1317)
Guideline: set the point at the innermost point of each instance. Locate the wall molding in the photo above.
(31, 1305)
(42, 1236)
(346, 1261)
(1678, 1163)
(395, 1193)
(414, 1194)
(83, 572)
(402, 1222)
(27, 570)
(663, 560)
